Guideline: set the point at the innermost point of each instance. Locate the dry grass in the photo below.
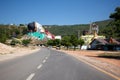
(110, 55)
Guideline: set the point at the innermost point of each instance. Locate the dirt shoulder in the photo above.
(107, 64)
(13, 52)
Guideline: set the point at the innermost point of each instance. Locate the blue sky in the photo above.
(59, 12)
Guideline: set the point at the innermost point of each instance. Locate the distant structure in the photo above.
(94, 30)
(38, 32)
(89, 36)
(35, 27)
(49, 35)
(58, 37)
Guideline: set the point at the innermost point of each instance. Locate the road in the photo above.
(48, 64)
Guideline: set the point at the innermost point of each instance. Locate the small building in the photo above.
(58, 37)
(105, 44)
(88, 38)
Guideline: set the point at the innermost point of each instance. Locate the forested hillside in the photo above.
(75, 29)
(9, 31)
(66, 29)
(108, 28)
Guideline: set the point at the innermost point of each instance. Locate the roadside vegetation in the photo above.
(66, 42)
(11, 31)
(110, 55)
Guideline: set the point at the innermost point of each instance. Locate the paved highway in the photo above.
(48, 64)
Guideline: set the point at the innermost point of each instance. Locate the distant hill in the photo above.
(66, 29)
(9, 31)
(74, 29)
(103, 23)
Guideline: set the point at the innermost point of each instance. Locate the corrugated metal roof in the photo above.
(107, 41)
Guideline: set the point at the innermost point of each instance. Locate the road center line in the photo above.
(39, 66)
(31, 76)
(44, 61)
(46, 57)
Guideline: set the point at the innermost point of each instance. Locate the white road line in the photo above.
(44, 61)
(39, 66)
(46, 58)
(31, 76)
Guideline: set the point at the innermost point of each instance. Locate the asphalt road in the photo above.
(48, 64)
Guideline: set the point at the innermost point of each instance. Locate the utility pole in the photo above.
(78, 34)
(90, 30)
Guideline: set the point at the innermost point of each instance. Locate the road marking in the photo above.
(100, 69)
(39, 66)
(46, 58)
(44, 61)
(31, 76)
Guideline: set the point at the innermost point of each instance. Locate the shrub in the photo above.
(25, 42)
(15, 41)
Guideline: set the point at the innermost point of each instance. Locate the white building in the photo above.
(58, 37)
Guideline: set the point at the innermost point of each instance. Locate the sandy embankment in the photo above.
(8, 52)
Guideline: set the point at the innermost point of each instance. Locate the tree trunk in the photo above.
(74, 48)
(67, 47)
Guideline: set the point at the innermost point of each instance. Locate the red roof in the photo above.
(48, 33)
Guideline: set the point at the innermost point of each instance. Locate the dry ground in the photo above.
(8, 52)
(109, 65)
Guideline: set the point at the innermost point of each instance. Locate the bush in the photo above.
(25, 42)
(15, 41)
(3, 38)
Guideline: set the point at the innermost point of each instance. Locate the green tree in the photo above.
(3, 35)
(74, 41)
(81, 42)
(50, 42)
(66, 41)
(113, 28)
(3, 38)
(21, 24)
(115, 31)
(25, 42)
(116, 14)
(56, 42)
